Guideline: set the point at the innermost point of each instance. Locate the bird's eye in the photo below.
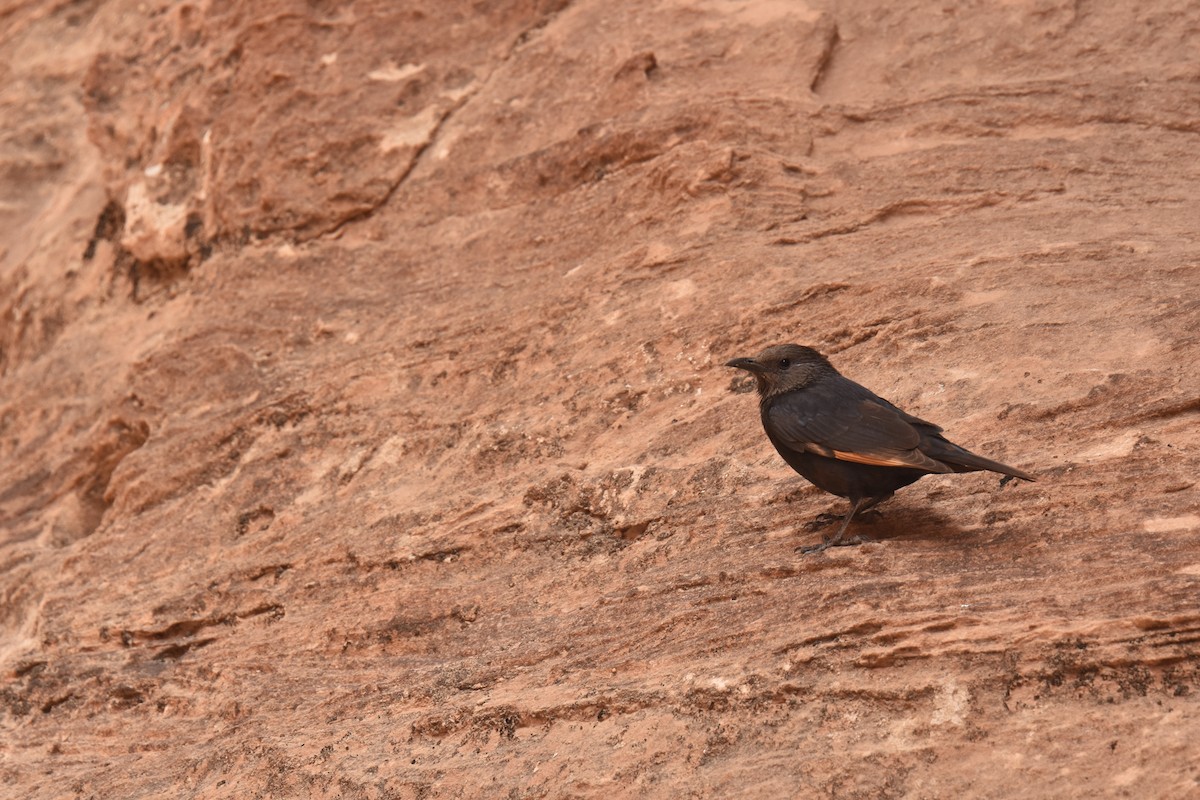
(784, 363)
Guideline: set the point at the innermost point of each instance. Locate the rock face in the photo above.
(363, 428)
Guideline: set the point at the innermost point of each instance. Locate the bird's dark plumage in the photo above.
(843, 437)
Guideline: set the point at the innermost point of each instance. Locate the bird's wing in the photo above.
(845, 421)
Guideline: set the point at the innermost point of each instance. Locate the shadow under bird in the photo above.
(846, 439)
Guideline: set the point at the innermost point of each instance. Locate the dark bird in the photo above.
(845, 438)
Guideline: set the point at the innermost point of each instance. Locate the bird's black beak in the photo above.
(748, 364)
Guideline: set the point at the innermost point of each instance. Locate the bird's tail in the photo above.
(962, 460)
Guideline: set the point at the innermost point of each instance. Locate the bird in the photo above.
(846, 439)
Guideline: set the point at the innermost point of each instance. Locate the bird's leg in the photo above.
(836, 541)
(825, 519)
(859, 505)
(873, 501)
(822, 520)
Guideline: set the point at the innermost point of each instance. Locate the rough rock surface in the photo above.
(363, 428)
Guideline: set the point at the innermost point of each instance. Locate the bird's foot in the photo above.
(822, 521)
(825, 520)
(825, 545)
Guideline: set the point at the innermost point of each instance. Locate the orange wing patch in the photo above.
(913, 459)
(877, 461)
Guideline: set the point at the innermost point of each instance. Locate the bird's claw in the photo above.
(822, 521)
(825, 545)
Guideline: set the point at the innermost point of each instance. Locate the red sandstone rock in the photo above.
(381, 448)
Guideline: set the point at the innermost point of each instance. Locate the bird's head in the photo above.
(784, 368)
